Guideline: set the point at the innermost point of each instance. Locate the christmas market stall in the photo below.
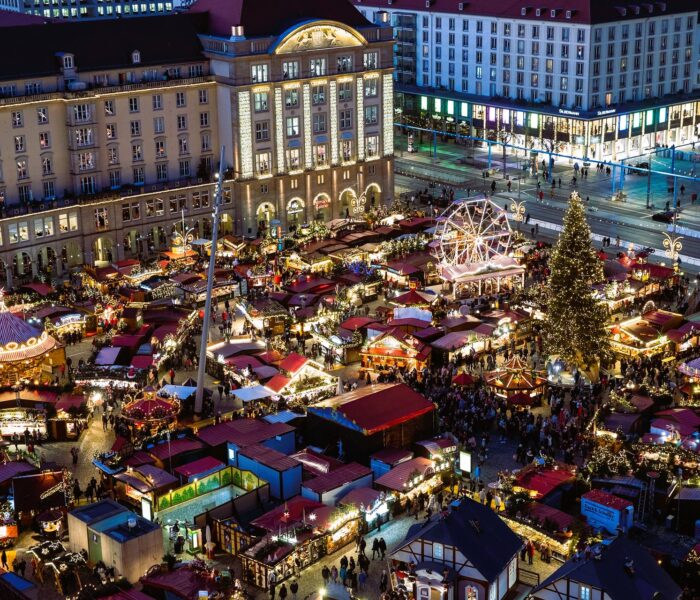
(267, 317)
(411, 478)
(302, 379)
(374, 506)
(150, 412)
(294, 536)
(644, 335)
(395, 349)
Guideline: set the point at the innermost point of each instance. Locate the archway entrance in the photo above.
(373, 193)
(103, 251)
(46, 260)
(322, 207)
(264, 215)
(295, 213)
(22, 266)
(347, 203)
(131, 243)
(71, 255)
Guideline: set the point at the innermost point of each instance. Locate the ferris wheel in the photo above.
(471, 231)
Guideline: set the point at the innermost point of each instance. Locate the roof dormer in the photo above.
(66, 60)
(136, 57)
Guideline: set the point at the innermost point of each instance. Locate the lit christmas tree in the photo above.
(575, 319)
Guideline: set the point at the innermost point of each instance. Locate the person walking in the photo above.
(382, 547)
(294, 588)
(375, 548)
(3, 560)
(530, 552)
(325, 573)
(283, 592)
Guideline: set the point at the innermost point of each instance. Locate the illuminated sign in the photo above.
(465, 462)
(607, 111)
(573, 113)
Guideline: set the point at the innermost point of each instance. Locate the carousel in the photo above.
(146, 410)
(26, 354)
(517, 382)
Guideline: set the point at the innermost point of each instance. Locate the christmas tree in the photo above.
(575, 320)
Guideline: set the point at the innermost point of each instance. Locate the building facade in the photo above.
(108, 148)
(581, 78)
(92, 9)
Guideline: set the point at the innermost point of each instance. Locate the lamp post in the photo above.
(199, 397)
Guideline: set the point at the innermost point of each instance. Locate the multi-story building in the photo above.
(113, 128)
(92, 9)
(587, 78)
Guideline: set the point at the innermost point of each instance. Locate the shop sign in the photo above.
(608, 111)
(322, 202)
(68, 319)
(572, 113)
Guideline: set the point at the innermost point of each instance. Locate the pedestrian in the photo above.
(361, 580)
(172, 376)
(283, 592)
(382, 547)
(375, 548)
(325, 573)
(363, 545)
(22, 567)
(383, 582)
(530, 552)
(334, 574)
(3, 560)
(104, 421)
(559, 182)
(294, 588)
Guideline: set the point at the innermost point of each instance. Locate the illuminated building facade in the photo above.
(584, 78)
(106, 144)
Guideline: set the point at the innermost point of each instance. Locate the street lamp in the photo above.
(673, 246)
(517, 208)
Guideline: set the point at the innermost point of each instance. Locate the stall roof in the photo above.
(374, 408)
(243, 361)
(70, 401)
(265, 372)
(107, 356)
(607, 499)
(162, 331)
(142, 362)
(337, 478)
(355, 323)
(277, 384)
(11, 469)
(397, 478)
(197, 467)
(290, 512)
(164, 450)
(392, 456)
(293, 362)
(248, 394)
(452, 341)
(542, 480)
(284, 416)
(43, 289)
(181, 391)
(139, 458)
(242, 432)
(361, 496)
(269, 457)
(541, 512)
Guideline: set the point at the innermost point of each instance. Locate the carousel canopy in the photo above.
(411, 298)
(516, 376)
(19, 340)
(151, 407)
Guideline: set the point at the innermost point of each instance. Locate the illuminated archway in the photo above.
(264, 215)
(316, 35)
(295, 213)
(322, 207)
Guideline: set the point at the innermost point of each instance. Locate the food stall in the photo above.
(296, 535)
(411, 478)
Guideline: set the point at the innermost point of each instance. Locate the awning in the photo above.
(71, 401)
(256, 392)
(141, 362)
(43, 289)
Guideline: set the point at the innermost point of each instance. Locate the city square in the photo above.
(366, 300)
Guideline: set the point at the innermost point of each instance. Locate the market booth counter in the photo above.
(411, 478)
(374, 507)
(296, 535)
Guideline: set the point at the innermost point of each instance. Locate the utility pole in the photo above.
(199, 397)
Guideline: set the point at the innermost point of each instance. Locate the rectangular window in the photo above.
(318, 94)
(42, 115)
(584, 593)
(49, 189)
(43, 227)
(317, 67)
(133, 105)
(372, 145)
(183, 146)
(204, 119)
(162, 171)
(292, 126)
(18, 232)
(101, 218)
(371, 115)
(20, 145)
(259, 73)
(205, 142)
(160, 148)
(371, 60)
(320, 156)
(157, 102)
(319, 122)
(109, 108)
(291, 98)
(68, 222)
(158, 125)
(371, 87)
(263, 163)
(290, 69)
(139, 176)
(293, 159)
(135, 127)
(180, 100)
(17, 119)
(345, 119)
(203, 96)
(184, 168)
(260, 101)
(345, 91)
(344, 64)
(181, 122)
(262, 131)
(136, 152)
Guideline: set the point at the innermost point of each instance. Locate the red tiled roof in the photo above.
(269, 457)
(242, 432)
(392, 456)
(411, 298)
(202, 465)
(293, 362)
(335, 479)
(355, 323)
(365, 496)
(397, 478)
(607, 499)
